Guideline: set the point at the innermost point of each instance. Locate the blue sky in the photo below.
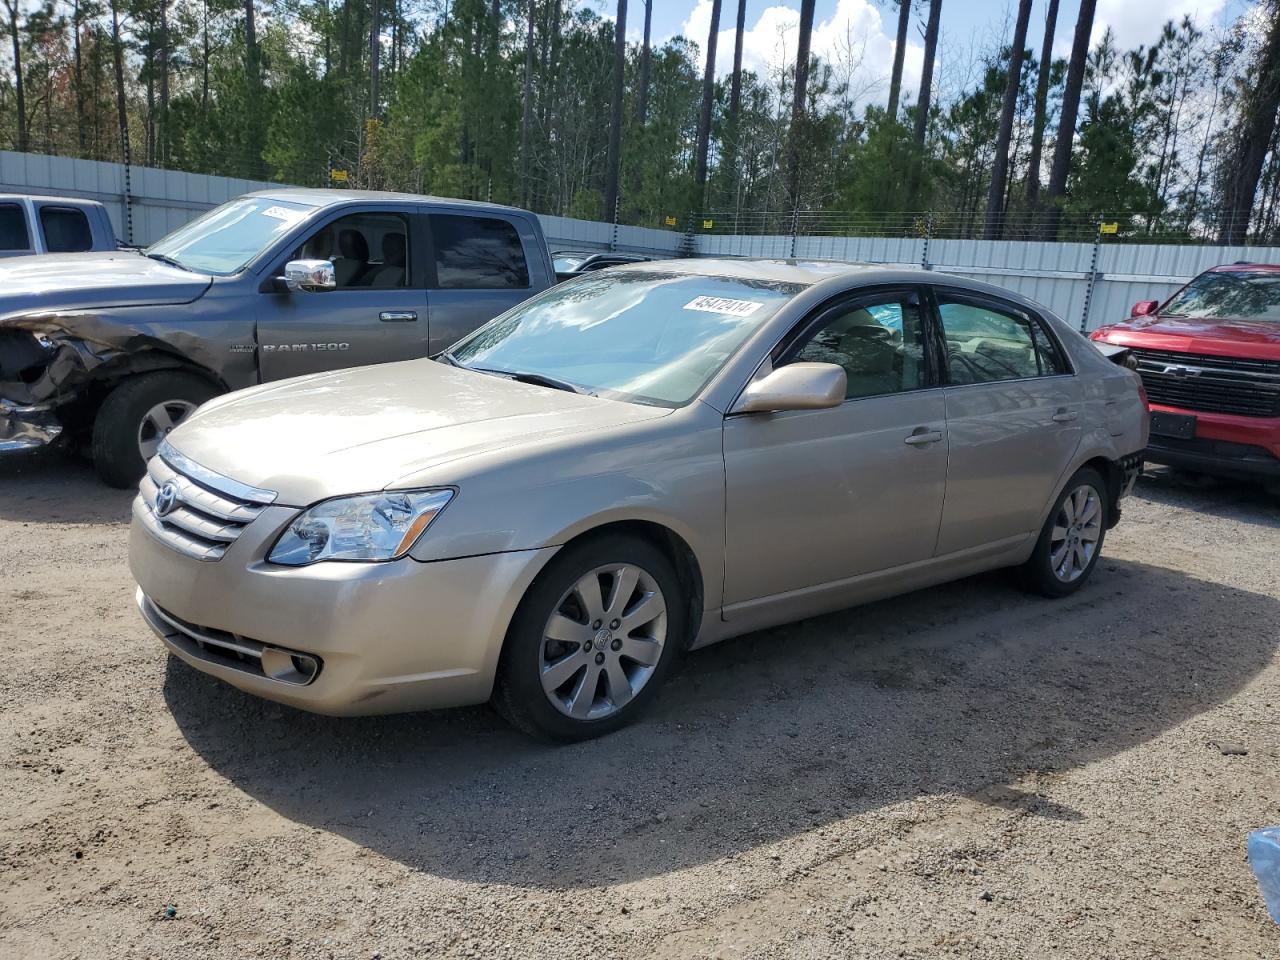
(860, 33)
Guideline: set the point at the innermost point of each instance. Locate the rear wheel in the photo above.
(1071, 540)
(137, 415)
(592, 641)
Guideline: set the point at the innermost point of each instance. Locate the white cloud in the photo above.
(1136, 22)
(856, 40)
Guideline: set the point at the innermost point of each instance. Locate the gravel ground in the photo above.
(963, 771)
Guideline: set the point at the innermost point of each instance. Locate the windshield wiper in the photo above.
(537, 379)
(167, 259)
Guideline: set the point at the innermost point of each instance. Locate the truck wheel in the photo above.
(136, 416)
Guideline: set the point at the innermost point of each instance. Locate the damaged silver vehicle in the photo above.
(108, 352)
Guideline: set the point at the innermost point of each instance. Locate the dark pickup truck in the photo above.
(112, 350)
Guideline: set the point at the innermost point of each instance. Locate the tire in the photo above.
(120, 429)
(592, 662)
(1040, 574)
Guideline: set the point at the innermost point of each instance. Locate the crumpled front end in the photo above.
(40, 371)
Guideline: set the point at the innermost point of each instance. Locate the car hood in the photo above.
(367, 428)
(1255, 339)
(87, 281)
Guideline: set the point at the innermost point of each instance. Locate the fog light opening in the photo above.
(289, 667)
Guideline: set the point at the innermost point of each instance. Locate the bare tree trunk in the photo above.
(735, 98)
(1255, 126)
(799, 104)
(204, 66)
(899, 53)
(375, 56)
(615, 114)
(118, 56)
(19, 90)
(163, 131)
(926, 73)
(642, 109)
(78, 76)
(1065, 143)
(527, 118)
(1000, 164)
(708, 97)
(1042, 106)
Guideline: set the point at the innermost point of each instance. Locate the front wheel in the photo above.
(1071, 540)
(592, 641)
(137, 415)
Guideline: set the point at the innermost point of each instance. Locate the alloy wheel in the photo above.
(603, 641)
(1076, 531)
(158, 423)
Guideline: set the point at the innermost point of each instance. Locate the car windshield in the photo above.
(227, 238)
(648, 337)
(1236, 295)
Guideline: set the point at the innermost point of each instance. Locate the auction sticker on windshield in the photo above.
(735, 308)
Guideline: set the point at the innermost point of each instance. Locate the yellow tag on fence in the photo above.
(708, 224)
(671, 221)
(1109, 228)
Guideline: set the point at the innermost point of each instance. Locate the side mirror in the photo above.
(797, 386)
(1144, 308)
(310, 276)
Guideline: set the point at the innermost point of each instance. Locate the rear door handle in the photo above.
(1064, 416)
(397, 316)
(921, 438)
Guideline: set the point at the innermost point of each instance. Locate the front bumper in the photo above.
(27, 426)
(1224, 444)
(335, 638)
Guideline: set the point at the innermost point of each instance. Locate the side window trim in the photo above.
(416, 275)
(909, 293)
(60, 208)
(1036, 326)
(25, 221)
(512, 223)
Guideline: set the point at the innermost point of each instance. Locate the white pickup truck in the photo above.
(32, 225)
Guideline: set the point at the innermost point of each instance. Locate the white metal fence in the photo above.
(1088, 284)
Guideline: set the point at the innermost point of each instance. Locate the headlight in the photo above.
(374, 526)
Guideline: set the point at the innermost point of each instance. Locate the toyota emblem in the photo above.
(166, 498)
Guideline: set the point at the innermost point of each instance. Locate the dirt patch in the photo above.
(962, 771)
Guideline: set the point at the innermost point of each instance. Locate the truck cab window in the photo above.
(478, 253)
(66, 230)
(13, 228)
(367, 250)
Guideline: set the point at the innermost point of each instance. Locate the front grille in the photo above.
(203, 520)
(1196, 381)
(231, 649)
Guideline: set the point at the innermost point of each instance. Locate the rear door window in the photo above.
(13, 228)
(478, 253)
(985, 344)
(66, 230)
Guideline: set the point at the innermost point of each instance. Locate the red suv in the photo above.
(1210, 363)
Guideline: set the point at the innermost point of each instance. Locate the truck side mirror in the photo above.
(309, 276)
(1144, 308)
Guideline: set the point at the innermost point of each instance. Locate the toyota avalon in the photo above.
(634, 463)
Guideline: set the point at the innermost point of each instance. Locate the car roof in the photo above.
(319, 197)
(834, 275)
(42, 198)
(1245, 267)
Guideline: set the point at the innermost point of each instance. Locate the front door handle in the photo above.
(397, 316)
(1064, 415)
(922, 437)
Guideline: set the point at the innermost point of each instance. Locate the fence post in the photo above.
(128, 188)
(795, 228)
(617, 203)
(928, 235)
(1091, 279)
(688, 246)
